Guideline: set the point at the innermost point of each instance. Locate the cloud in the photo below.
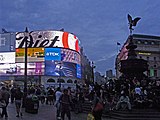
(99, 24)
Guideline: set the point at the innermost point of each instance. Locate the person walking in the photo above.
(57, 103)
(97, 108)
(80, 101)
(12, 91)
(65, 105)
(4, 96)
(18, 101)
(50, 96)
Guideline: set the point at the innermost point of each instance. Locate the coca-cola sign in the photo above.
(47, 39)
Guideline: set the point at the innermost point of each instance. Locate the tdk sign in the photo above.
(52, 54)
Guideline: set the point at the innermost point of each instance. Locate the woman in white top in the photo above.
(57, 103)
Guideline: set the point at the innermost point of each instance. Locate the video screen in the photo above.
(33, 55)
(57, 68)
(7, 57)
(13, 69)
(70, 56)
(78, 71)
(60, 54)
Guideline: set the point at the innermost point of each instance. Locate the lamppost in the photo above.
(60, 66)
(25, 58)
(93, 66)
(26, 34)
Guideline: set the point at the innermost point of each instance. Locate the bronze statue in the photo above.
(132, 22)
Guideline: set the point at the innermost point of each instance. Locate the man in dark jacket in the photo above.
(4, 96)
(65, 105)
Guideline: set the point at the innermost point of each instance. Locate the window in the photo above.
(50, 80)
(154, 58)
(69, 81)
(146, 42)
(155, 73)
(2, 41)
(139, 42)
(152, 43)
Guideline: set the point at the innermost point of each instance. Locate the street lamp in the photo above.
(93, 66)
(60, 65)
(25, 58)
(26, 34)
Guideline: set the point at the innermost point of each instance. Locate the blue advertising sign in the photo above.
(56, 68)
(78, 71)
(53, 54)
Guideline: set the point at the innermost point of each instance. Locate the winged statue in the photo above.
(132, 22)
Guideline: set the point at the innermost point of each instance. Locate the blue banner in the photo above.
(78, 71)
(53, 54)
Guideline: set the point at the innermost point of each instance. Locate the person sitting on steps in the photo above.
(124, 100)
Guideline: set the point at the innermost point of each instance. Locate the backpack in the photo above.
(99, 105)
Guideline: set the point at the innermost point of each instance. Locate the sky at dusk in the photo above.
(99, 24)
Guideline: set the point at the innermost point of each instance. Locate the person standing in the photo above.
(18, 101)
(97, 88)
(5, 96)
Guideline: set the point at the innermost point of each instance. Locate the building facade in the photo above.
(148, 48)
(87, 70)
(51, 54)
(109, 74)
(99, 78)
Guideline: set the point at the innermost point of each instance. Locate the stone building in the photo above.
(148, 48)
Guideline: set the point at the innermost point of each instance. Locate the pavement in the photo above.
(46, 112)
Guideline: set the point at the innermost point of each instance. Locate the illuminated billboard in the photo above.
(45, 49)
(52, 54)
(7, 69)
(61, 54)
(7, 57)
(56, 68)
(34, 55)
(123, 55)
(48, 39)
(49, 59)
(62, 62)
(78, 71)
(70, 56)
(35, 68)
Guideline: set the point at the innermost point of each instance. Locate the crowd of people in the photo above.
(113, 95)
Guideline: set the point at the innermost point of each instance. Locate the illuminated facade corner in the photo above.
(49, 45)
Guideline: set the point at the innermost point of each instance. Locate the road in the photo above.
(46, 112)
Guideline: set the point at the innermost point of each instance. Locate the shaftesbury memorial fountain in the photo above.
(133, 67)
